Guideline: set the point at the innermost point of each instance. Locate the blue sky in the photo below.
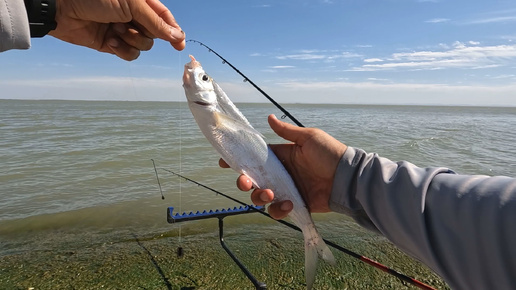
(439, 52)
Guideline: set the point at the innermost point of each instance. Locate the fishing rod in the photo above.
(364, 259)
(161, 191)
(246, 79)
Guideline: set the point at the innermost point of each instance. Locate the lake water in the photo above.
(87, 165)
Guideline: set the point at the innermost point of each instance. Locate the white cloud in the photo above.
(459, 55)
(377, 80)
(437, 20)
(495, 16)
(282, 66)
(507, 76)
(444, 46)
(311, 51)
(304, 56)
(486, 66)
(373, 60)
(321, 55)
(500, 19)
(344, 54)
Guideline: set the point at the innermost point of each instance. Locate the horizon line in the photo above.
(265, 102)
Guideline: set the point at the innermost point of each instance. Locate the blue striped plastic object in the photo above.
(174, 218)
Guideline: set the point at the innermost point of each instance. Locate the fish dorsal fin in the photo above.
(226, 106)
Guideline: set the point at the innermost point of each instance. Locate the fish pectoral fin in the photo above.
(225, 121)
(226, 105)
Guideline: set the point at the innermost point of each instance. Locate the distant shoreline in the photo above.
(268, 103)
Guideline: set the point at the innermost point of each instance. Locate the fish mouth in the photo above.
(189, 67)
(202, 103)
(193, 63)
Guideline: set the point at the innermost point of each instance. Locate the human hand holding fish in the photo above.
(311, 160)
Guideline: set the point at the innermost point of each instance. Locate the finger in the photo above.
(112, 43)
(132, 36)
(169, 18)
(163, 12)
(288, 131)
(158, 20)
(244, 183)
(179, 45)
(122, 49)
(262, 196)
(280, 209)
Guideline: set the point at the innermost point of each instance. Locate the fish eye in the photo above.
(205, 77)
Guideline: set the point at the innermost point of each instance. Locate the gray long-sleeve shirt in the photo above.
(14, 25)
(463, 227)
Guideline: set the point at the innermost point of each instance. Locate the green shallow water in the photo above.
(141, 260)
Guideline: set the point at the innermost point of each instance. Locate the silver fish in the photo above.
(243, 148)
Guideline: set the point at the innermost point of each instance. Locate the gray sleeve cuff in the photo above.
(14, 25)
(341, 199)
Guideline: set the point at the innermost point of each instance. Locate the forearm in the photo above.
(14, 25)
(457, 225)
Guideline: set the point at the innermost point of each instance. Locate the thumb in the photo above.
(288, 131)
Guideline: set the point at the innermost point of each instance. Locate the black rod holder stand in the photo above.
(221, 214)
(259, 285)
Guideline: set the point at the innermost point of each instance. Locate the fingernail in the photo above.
(264, 196)
(113, 42)
(286, 206)
(177, 33)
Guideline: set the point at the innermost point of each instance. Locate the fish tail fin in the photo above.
(315, 247)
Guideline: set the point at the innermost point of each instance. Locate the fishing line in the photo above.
(246, 79)
(180, 241)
